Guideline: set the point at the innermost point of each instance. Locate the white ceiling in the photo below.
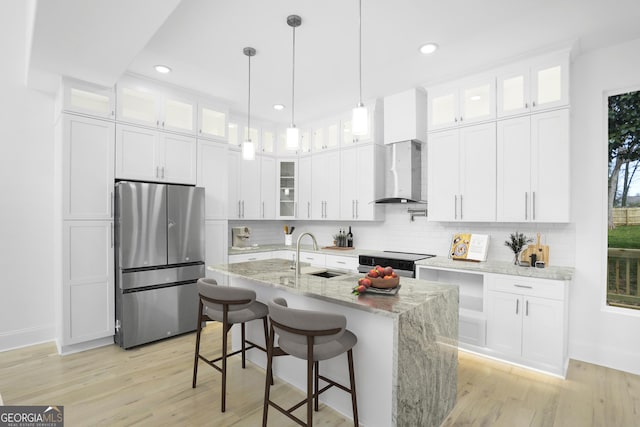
(202, 41)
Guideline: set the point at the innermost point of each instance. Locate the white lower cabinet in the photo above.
(255, 256)
(527, 321)
(88, 291)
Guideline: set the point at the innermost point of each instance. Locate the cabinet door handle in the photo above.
(295, 209)
(455, 206)
(157, 171)
(455, 119)
(461, 119)
(157, 122)
(111, 233)
(533, 104)
(461, 207)
(111, 204)
(162, 124)
(526, 308)
(353, 209)
(526, 105)
(340, 262)
(308, 209)
(262, 209)
(243, 209)
(517, 305)
(163, 172)
(526, 205)
(522, 286)
(357, 214)
(533, 205)
(239, 210)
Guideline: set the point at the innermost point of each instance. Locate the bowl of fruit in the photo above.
(377, 278)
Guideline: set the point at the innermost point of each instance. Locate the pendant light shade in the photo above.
(360, 116)
(248, 147)
(293, 135)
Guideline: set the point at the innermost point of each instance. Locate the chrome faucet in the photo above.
(315, 248)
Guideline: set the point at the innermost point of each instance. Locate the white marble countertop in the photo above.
(499, 267)
(355, 252)
(277, 273)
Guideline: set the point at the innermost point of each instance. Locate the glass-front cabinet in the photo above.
(212, 122)
(287, 188)
(535, 85)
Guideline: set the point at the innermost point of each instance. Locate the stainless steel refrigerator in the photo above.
(160, 252)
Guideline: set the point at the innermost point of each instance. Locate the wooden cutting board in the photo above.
(541, 251)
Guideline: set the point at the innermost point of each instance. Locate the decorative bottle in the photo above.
(350, 238)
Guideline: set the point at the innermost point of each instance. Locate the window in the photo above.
(623, 266)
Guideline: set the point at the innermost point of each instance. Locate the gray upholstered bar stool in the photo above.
(229, 305)
(312, 336)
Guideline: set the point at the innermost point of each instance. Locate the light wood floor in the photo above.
(151, 385)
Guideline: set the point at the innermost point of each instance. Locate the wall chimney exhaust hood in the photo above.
(405, 128)
(403, 166)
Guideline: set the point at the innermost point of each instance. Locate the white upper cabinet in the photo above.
(88, 147)
(325, 185)
(268, 190)
(325, 135)
(535, 85)
(149, 155)
(144, 103)
(212, 121)
(268, 141)
(533, 168)
(405, 116)
(462, 102)
(233, 131)
(86, 98)
(361, 183)
(462, 174)
(213, 176)
(304, 187)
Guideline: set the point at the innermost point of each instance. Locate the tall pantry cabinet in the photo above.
(84, 165)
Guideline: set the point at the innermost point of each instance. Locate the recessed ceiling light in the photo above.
(278, 107)
(428, 48)
(163, 69)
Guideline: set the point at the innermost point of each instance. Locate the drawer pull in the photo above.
(523, 286)
(340, 262)
(517, 305)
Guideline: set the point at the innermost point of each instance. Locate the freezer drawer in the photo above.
(154, 314)
(160, 276)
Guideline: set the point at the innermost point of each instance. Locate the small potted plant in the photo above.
(517, 242)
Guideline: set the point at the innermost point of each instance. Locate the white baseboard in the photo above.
(87, 345)
(615, 358)
(25, 337)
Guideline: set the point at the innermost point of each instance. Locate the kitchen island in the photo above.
(406, 356)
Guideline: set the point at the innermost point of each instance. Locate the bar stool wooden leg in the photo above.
(243, 347)
(309, 392)
(269, 379)
(316, 383)
(197, 353)
(266, 341)
(225, 329)
(352, 379)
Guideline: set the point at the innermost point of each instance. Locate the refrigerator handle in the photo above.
(111, 232)
(111, 204)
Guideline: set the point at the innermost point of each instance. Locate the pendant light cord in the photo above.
(249, 103)
(360, 48)
(293, 78)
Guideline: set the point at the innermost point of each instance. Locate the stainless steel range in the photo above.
(403, 263)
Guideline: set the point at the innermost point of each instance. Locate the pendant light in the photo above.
(248, 147)
(360, 117)
(293, 134)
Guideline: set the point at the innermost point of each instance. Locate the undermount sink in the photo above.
(327, 274)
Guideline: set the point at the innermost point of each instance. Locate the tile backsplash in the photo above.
(398, 233)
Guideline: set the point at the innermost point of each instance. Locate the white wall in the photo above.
(598, 334)
(27, 298)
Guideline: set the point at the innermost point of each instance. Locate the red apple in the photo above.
(366, 282)
(373, 273)
(388, 271)
(361, 288)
